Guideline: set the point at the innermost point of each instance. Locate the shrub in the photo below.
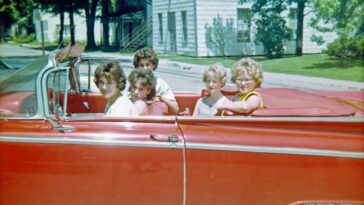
(352, 47)
(24, 39)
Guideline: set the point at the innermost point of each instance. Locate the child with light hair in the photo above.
(214, 78)
(247, 75)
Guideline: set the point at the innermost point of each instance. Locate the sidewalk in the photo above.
(10, 50)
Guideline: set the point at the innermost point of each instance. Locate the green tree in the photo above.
(272, 30)
(90, 11)
(105, 23)
(300, 5)
(60, 7)
(340, 16)
(12, 11)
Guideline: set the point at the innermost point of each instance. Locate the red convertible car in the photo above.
(57, 147)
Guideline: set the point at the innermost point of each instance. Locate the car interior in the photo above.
(278, 102)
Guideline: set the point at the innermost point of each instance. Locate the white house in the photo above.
(182, 26)
(51, 26)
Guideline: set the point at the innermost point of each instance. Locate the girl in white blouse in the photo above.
(110, 79)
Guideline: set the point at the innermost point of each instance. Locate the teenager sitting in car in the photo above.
(142, 88)
(146, 58)
(110, 80)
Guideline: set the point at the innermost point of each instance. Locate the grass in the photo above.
(318, 65)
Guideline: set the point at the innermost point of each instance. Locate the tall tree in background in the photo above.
(272, 30)
(12, 11)
(61, 7)
(346, 18)
(8, 14)
(61, 29)
(90, 11)
(105, 23)
(301, 5)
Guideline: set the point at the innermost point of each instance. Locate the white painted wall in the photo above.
(50, 22)
(177, 6)
(205, 11)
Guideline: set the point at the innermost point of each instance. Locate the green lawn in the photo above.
(319, 65)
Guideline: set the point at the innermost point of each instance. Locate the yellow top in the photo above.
(246, 96)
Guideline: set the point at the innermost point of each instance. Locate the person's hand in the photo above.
(158, 98)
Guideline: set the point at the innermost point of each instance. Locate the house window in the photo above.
(184, 28)
(160, 20)
(244, 24)
(292, 19)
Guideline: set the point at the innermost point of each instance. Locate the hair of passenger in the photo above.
(216, 69)
(111, 70)
(251, 67)
(146, 53)
(145, 78)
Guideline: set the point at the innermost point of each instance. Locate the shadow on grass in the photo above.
(335, 63)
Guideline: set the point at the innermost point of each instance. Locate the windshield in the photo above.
(24, 79)
(17, 93)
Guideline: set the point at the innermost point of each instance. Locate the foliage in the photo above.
(24, 39)
(272, 33)
(343, 17)
(12, 11)
(272, 30)
(8, 10)
(348, 48)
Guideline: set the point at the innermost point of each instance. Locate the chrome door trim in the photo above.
(276, 150)
(192, 146)
(102, 142)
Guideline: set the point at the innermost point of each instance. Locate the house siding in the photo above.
(176, 6)
(206, 11)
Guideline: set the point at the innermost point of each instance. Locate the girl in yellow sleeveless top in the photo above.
(247, 75)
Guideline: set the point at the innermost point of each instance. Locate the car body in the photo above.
(57, 147)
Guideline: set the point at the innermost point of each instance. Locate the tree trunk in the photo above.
(105, 24)
(299, 31)
(2, 30)
(118, 34)
(61, 19)
(90, 11)
(72, 27)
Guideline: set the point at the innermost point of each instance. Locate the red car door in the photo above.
(257, 161)
(103, 161)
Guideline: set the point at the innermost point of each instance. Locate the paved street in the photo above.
(188, 77)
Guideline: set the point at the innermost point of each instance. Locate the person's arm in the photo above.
(140, 106)
(165, 94)
(172, 105)
(242, 107)
(197, 106)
